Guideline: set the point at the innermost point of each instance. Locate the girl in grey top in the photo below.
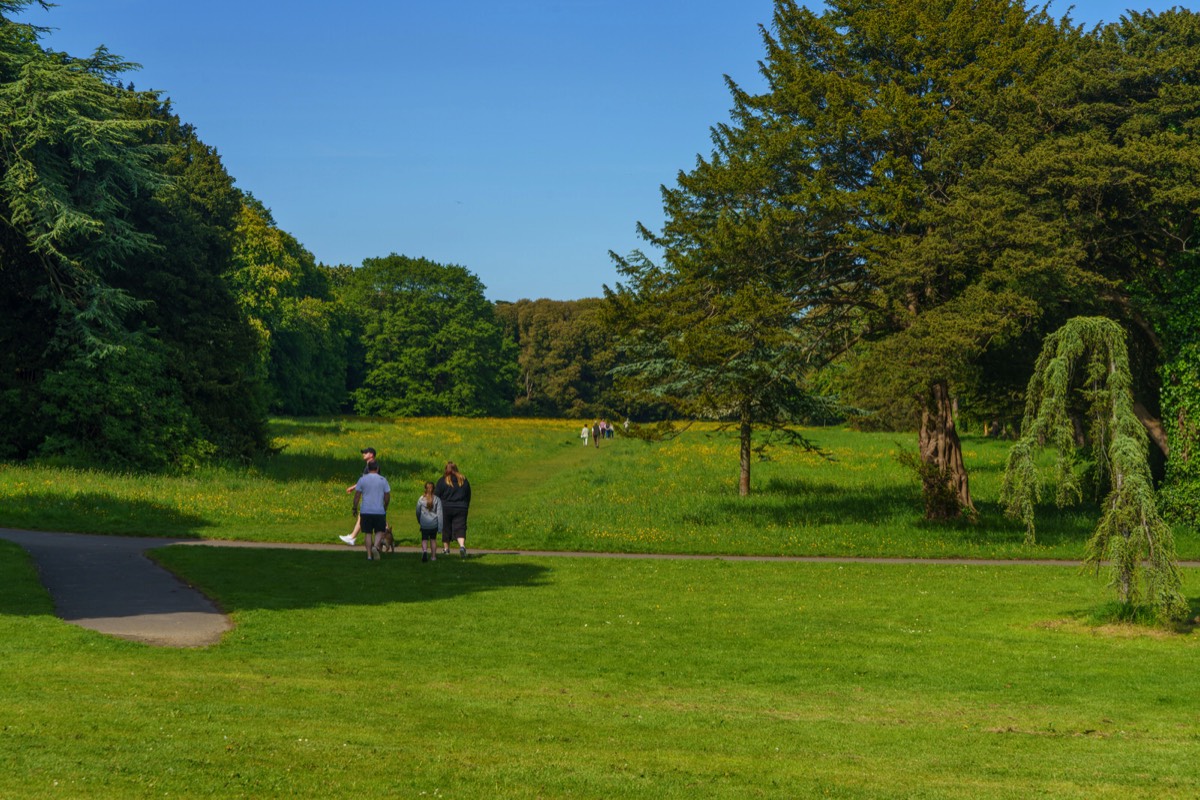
(429, 519)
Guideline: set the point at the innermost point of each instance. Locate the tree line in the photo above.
(154, 315)
(922, 193)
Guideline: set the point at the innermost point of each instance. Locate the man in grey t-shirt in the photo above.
(371, 497)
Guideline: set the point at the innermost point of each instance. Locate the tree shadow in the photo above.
(299, 426)
(105, 514)
(245, 578)
(286, 466)
(1124, 619)
(791, 499)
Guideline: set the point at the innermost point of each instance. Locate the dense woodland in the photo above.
(923, 192)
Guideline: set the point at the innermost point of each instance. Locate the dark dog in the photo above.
(388, 542)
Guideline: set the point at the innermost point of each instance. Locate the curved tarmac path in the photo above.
(109, 585)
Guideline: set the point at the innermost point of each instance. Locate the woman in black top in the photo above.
(454, 490)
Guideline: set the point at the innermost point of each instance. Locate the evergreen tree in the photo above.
(111, 223)
(834, 210)
(1088, 355)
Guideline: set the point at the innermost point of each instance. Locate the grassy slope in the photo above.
(517, 677)
(520, 677)
(536, 487)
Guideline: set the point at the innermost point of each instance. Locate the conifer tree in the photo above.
(1087, 360)
(834, 209)
(124, 343)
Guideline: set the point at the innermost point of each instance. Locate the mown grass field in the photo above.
(515, 677)
(536, 487)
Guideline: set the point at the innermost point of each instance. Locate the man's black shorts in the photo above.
(372, 523)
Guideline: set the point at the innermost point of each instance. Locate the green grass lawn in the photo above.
(536, 487)
(602, 678)
(506, 676)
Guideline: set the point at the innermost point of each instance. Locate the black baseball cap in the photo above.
(366, 450)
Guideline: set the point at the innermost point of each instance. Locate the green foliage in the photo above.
(937, 487)
(129, 403)
(72, 159)
(115, 227)
(1178, 309)
(209, 344)
(302, 335)
(1181, 406)
(432, 342)
(1088, 356)
(564, 355)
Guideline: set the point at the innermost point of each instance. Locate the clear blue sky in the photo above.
(521, 139)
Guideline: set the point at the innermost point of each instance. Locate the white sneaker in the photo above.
(348, 539)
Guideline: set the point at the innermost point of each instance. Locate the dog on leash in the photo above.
(388, 542)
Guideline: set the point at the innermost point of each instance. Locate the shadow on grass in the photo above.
(245, 579)
(1124, 619)
(287, 466)
(308, 426)
(786, 501)
(104, 513)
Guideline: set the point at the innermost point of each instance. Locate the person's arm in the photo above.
(387, 498)
(467, 491)
(438, 506)
(357, 499)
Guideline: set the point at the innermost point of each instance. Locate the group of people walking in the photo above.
(601, 429)
(441, 510)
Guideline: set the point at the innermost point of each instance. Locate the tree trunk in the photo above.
(1154, 428)
(744, 431)
(943, 475)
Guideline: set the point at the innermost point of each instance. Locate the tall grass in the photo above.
(536, 487)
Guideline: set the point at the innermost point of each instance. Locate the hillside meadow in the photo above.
(516, 676)
(536, 487)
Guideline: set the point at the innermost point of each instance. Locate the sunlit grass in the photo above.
(517, 677)
(536, 487)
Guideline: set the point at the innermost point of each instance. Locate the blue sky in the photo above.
(521, 139)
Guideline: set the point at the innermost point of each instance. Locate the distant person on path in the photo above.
(429, 520)
(371, 497)
(596, 434)
(351, 538)
(584, 434)
(626, 425)
(455, 493)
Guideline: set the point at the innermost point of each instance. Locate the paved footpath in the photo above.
(108, 584)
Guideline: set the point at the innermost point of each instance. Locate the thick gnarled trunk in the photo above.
(944, 482)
